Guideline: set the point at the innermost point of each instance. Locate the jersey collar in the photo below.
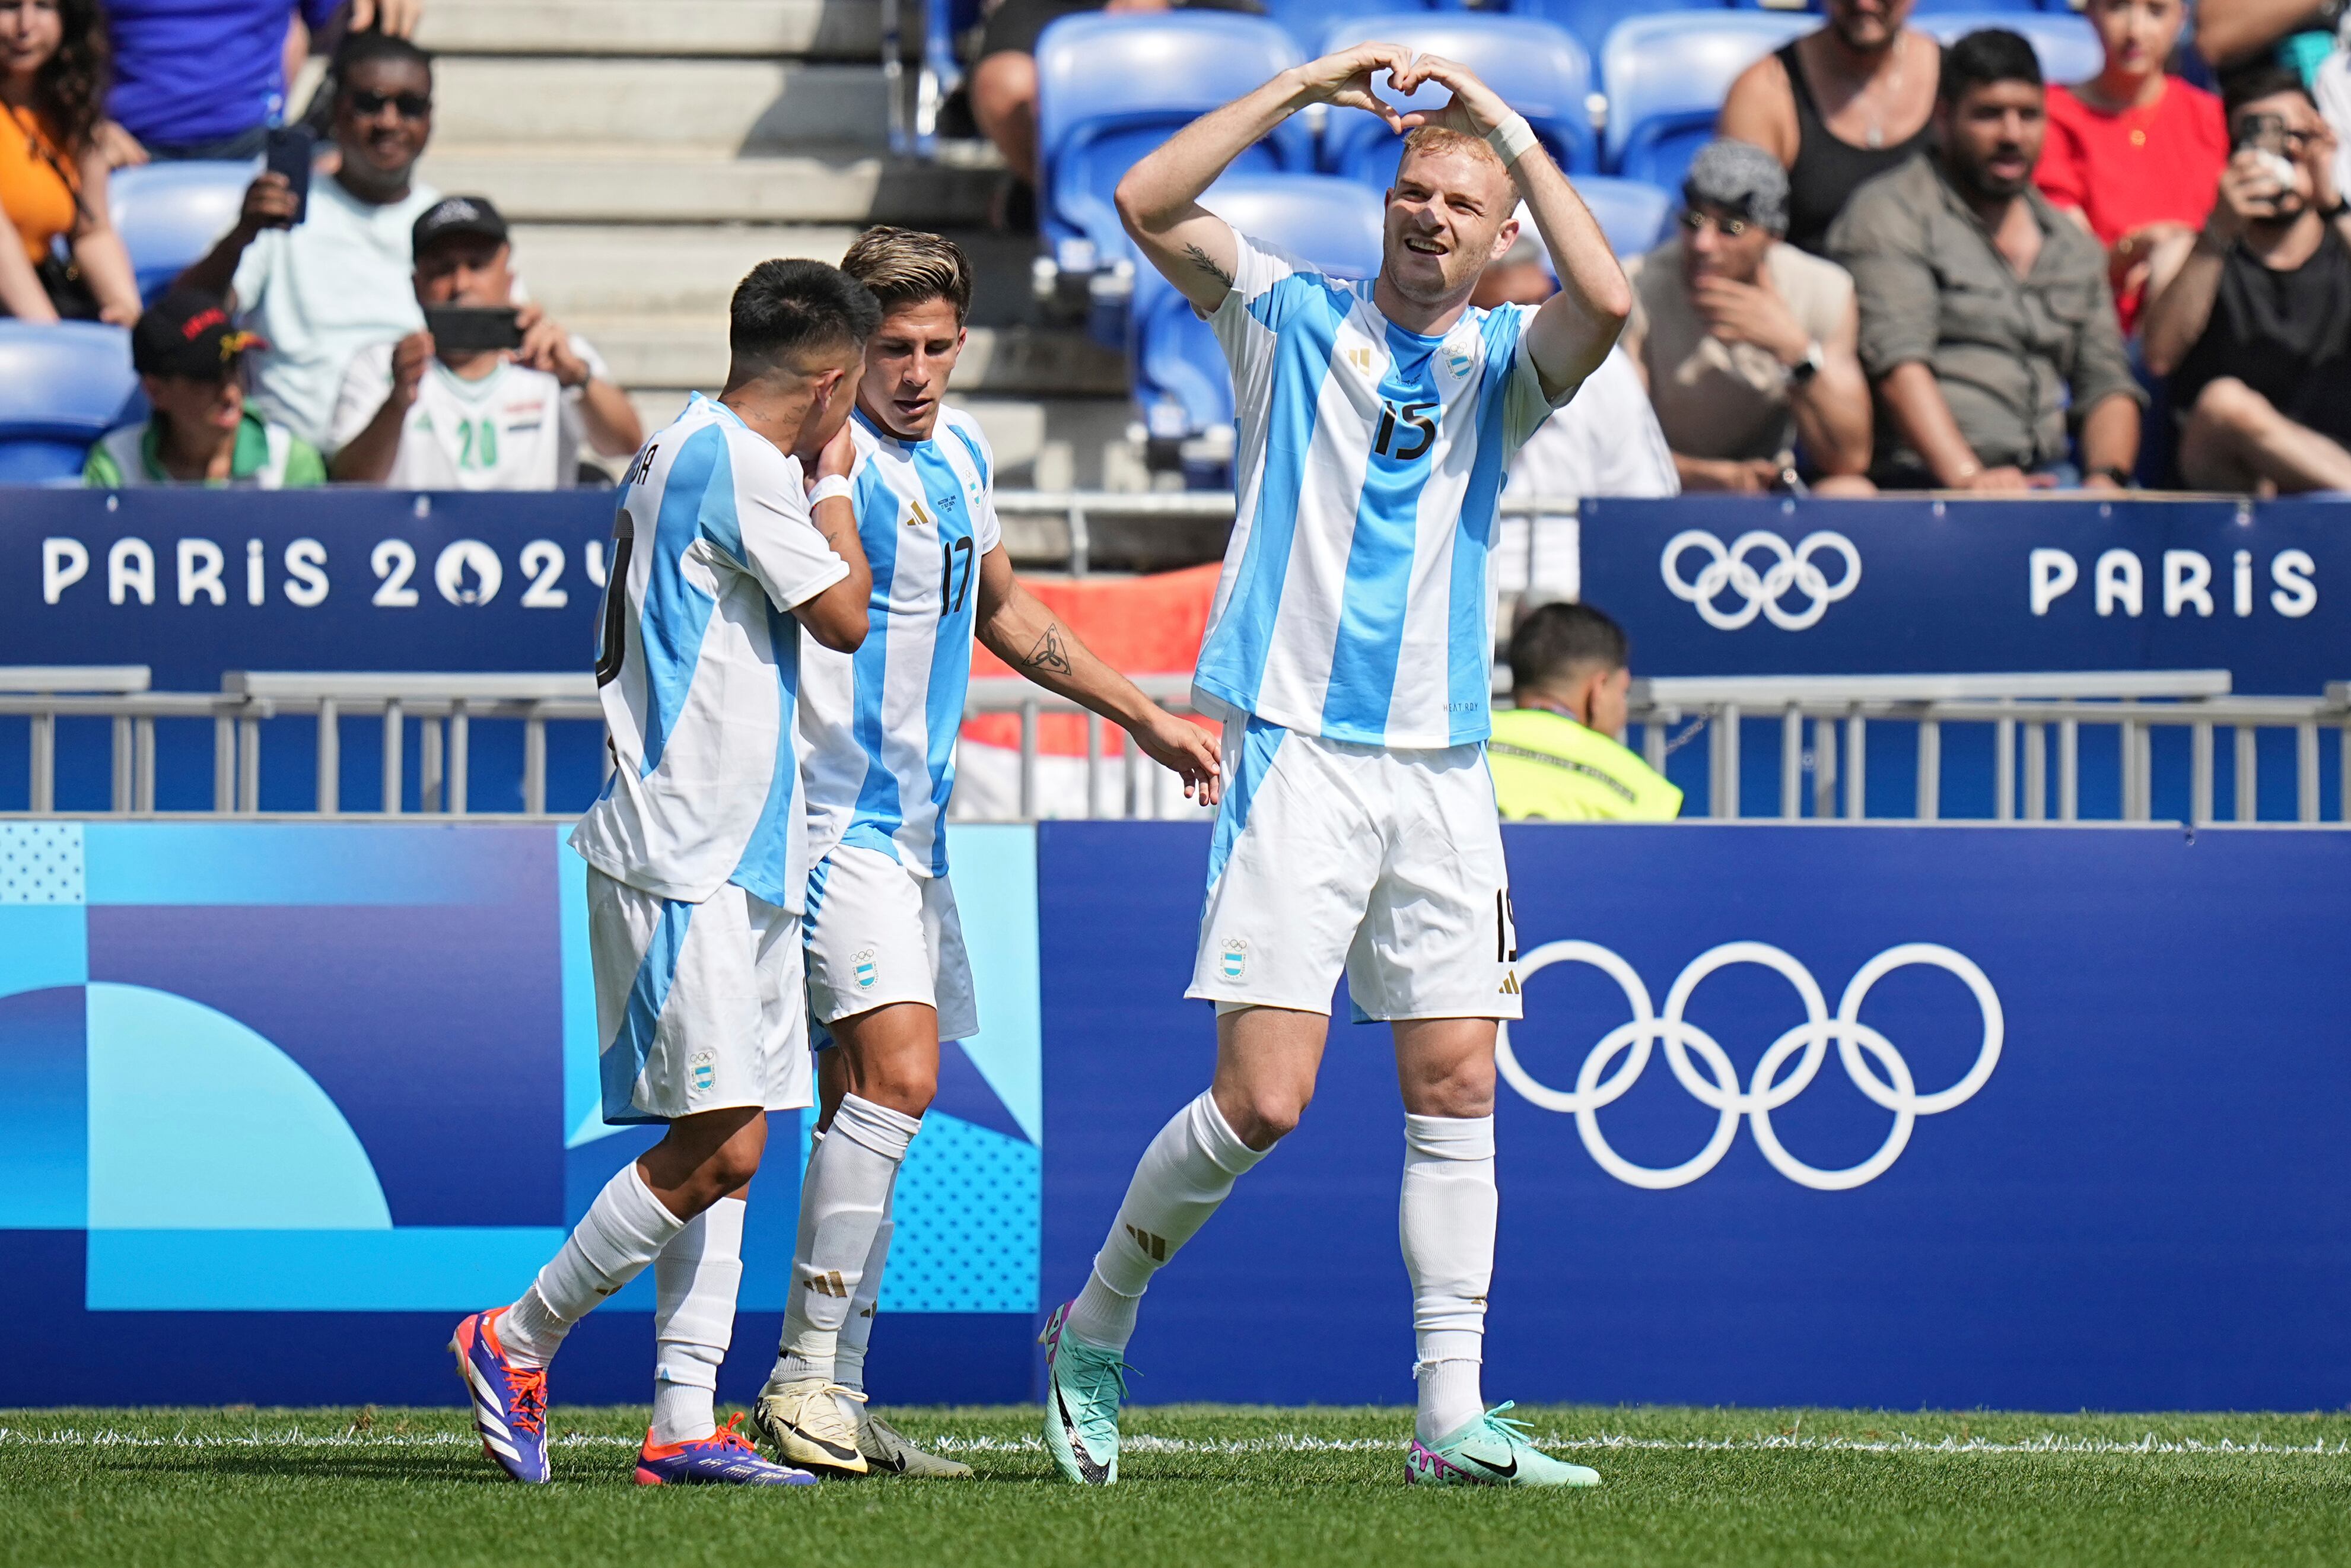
(874, 428)
(250, 455)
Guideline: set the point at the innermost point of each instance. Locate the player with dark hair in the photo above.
(888, 980)
(1558, 750)
(697, 862)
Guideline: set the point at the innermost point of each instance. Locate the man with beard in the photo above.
(1837, 108)
(1986, 322)
(2257, 321)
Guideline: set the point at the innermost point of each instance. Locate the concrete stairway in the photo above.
(651, 153)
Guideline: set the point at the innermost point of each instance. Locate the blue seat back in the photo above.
(1922, 7)
(1181, 379)
(61, 387)
(2068, 45)
(1632, 214)
(1111, 88)
(1590, 20)
(1539, 70)
(1665, 78)
(1310, 21)
(170, 215)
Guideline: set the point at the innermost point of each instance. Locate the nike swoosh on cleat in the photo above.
(835, 1450)
(1089, 1471)
(1495, 1468)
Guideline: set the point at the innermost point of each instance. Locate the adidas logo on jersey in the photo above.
(1509, 983)
(1360, 359)
(1155, 1247)
(920, 519)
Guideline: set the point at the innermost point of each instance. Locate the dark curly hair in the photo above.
(70, 90)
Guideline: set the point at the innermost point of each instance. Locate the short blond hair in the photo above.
(1439, 139)
(907, 266)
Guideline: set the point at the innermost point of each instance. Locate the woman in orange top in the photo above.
(2134, 154)
(52, 176)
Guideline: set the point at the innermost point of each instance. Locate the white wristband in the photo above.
(828, 487)
(1511, 139)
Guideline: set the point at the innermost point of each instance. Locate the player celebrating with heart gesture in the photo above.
(1349, 651)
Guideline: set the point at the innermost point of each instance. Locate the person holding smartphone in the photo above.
(490, 395)
(320, 267)
(2253, 328)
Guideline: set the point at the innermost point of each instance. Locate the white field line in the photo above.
(1287, 1443)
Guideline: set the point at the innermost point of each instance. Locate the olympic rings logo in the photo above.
(1717, 1087)
(1728, 570)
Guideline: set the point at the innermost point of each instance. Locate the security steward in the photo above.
(1555, 756)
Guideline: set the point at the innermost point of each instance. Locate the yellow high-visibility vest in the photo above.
(1549, 768)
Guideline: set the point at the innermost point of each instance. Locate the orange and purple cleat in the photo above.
(509, 1401)
(726, 1457)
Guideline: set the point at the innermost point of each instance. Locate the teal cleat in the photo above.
(1083, 1386)
(1491, 1451)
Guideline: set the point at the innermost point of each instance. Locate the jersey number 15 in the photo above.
(1413, 418)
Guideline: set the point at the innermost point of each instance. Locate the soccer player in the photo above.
(722, 554)
(887, 977)
(1349, 649)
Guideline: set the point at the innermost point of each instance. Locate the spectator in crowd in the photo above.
(52, 176)
(1605, 443)
(1558, 752)
(2298, 34)
(1004, 82)
(425, 416)
(325, 287)
(190, 359)
(2133, 153)
(1745, 343)
(1986, 323)
(2255, 329)
(1837, 107)
(208, 80)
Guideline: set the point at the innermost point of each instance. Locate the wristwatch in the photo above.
(2123, 477)
(1802, 373)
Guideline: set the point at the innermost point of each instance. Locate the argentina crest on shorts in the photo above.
(1236, 960)
(863, 968)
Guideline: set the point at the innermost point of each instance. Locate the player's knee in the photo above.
(731, 1165)
(1270, 1116)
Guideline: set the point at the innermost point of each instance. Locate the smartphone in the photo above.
(289, 151)
(469, 329)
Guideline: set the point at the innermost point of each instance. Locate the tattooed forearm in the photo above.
(1207, 264)
(1049, 654)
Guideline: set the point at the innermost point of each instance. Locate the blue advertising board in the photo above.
(1728, 586)
(2026, 1118)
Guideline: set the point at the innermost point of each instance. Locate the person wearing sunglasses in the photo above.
(324, 274)
(1746, 343)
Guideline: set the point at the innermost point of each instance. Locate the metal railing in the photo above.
(2037, 721)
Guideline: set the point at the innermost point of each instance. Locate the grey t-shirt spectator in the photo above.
(2016, 357)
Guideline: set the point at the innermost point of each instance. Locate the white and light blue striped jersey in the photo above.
(699, 665)
(1353, 603)
(878, 726)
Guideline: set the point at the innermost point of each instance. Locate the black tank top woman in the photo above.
(1828, 168)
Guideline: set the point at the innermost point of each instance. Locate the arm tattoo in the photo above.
(1049, 654)
(1207, 264)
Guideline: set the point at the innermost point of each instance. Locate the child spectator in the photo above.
(418, 415)
(52, 176)
(2255, 328)
(322, 289)
(1745, 344)
(2132, 154)
(191, 363)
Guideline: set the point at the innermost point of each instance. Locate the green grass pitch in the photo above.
(1221, 1485)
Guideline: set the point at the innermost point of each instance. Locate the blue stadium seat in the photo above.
(1539, 70)
(1922, 7)
(61, 387)
(1666, 77)
(1632, 214)
(1181, 382)
(170, 214)
(1110, 88)
(1310, 21)
(1590, 20)
(2068, 45)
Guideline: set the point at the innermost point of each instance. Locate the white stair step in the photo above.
(829, 29)
(638, 184)
(691, 351)
(718, 105)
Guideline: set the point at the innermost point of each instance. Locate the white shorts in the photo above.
(1388, 864)
(879, 934)
(698, 1005)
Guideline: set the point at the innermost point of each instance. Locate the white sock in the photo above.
(1186, 1172)
(842, 1206)
(696, 1279)
(621, 1232)
(1446, 1219)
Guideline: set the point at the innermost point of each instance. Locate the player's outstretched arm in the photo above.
(837, 617)
(1159, 200)
(1017, 629)
(1570, 334)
